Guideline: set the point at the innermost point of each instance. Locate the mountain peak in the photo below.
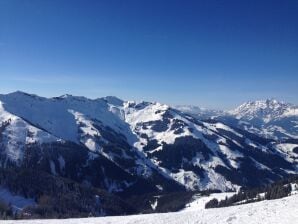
(69, 97)
(65, 96)
(261, 109)
(113, 100)
(262, 104)
(21, 93)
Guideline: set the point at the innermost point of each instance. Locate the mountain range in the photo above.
(127, 148)
(267, 118)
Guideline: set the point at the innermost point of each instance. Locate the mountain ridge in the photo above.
(158, 140)
(131, 149)
(268, 118)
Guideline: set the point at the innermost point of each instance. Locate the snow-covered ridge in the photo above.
(265, 110)
(267, 118)
(54, 114)
(16, 133)
(199, 112)
(154, 137)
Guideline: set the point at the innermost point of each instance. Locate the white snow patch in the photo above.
(286, 147)
(199, 201)
(53, 167)
(154, 203)
(61, 162)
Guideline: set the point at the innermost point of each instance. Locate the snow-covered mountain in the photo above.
(267, 118)
(125, 146)
(265, 110)
(75, 137)
(200, 112)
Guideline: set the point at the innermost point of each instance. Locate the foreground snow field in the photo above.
(280, 211)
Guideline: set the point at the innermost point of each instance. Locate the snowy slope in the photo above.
(153, 141)
(268, 118)
(16, 133)
(76, 119)
(157, 125)
(55, 114)
(198, 202)
(288, 149)
(265, 110)
(199, 112)
(96, 124)
(190, 151)
(278, 211)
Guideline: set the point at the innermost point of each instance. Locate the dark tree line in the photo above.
(57, 197)
(3, 125)
(277, 190)
(6, 211)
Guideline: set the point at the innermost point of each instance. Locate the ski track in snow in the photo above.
(278, 211)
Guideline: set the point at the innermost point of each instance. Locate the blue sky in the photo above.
(211, 53)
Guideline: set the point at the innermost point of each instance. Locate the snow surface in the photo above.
(287, 147)
(278, 211)
(199, 201)
(18, 133)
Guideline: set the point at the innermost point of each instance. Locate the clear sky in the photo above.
(209, 53)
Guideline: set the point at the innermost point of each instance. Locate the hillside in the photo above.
(128, 149)
(278, 211)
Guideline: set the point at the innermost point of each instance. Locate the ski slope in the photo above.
(278, 211)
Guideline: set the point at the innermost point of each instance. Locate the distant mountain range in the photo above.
(131, 148)
(267, 118)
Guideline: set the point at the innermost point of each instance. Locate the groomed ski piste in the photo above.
(279, 211)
